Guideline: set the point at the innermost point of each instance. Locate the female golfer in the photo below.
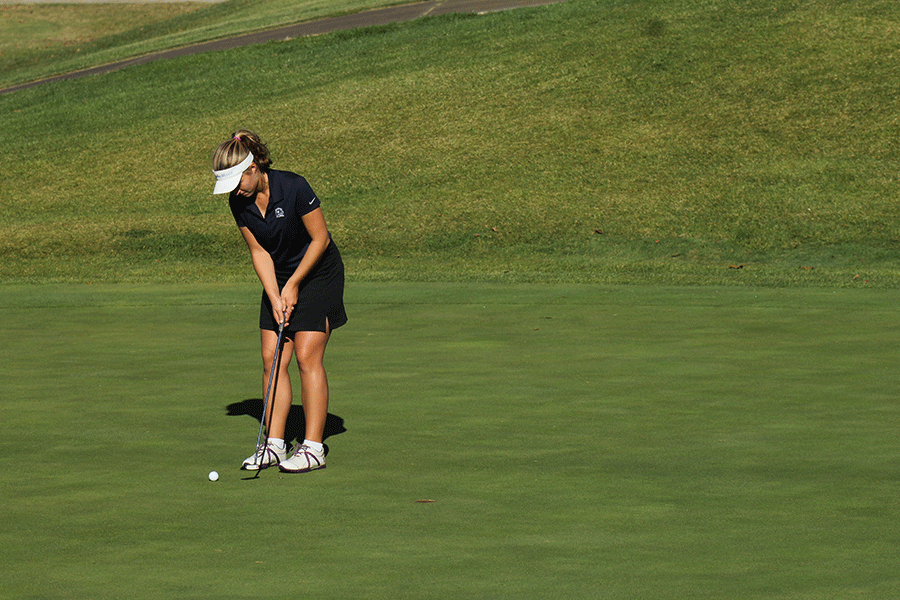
(302, 275)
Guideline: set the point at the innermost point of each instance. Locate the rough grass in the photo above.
(38, 41)
(594, 141)
(30, 31)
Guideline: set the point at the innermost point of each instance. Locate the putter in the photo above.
(262, 421)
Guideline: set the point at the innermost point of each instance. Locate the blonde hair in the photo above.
(233, 151)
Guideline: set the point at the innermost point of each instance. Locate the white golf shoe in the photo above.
(265, 456)
(303, 459)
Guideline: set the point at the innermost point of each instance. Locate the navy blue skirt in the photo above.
(320, 300)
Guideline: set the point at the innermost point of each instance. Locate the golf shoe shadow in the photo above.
(296, 424)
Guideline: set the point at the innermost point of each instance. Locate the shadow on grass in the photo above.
(296, 424)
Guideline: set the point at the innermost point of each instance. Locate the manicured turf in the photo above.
(577, 442)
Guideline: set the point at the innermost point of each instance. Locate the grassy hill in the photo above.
(598, 141)
(41, 40)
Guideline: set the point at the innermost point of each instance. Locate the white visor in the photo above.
(228, 179)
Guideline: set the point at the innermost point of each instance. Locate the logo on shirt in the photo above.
(279, 213)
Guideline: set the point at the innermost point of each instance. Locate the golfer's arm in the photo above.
(262, 263)
(318, 231)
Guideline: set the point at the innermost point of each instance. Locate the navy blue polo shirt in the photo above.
(281, 232)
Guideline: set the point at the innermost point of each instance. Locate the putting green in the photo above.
(571, 442)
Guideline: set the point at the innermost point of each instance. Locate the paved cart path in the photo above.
(380, 16)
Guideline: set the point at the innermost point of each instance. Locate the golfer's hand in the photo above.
(288, 300)
(279, 312)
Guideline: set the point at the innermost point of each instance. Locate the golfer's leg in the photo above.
(310, 350)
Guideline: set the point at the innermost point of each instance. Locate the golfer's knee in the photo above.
(309, 361)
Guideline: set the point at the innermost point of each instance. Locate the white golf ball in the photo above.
(213, 476)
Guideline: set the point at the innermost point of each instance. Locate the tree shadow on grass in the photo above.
(296, 423)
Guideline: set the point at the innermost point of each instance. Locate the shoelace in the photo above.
(302, 449)
(308, 454)
(263, 453)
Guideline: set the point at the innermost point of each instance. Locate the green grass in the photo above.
(46, 34)
(38, 41)
(695, 136)
(654, 440)
(577, 441)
